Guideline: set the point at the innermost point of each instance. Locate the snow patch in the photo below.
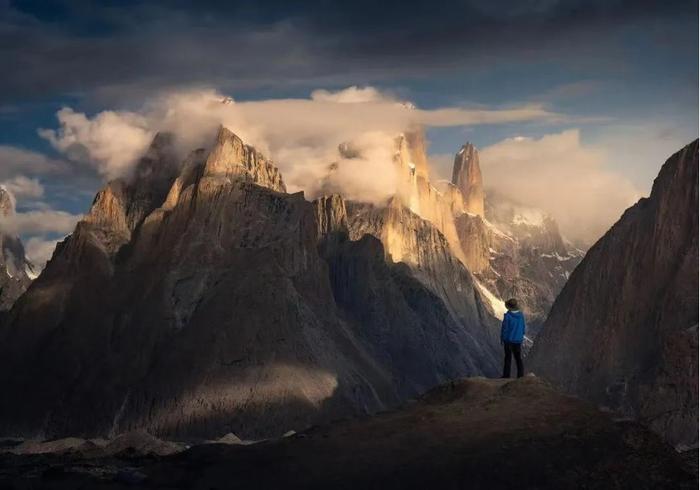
(556, 255)
(497, 231)
(31, 273)
(530, 217)
(497, 304)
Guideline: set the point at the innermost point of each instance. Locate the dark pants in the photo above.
(514, 350)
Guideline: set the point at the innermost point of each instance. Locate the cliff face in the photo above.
(16, 272)
(200, 299)
(624, 331)
(466, 176)
(418, 244)
(529, 258)
(512, 250)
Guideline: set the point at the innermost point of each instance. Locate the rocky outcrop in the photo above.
(466, 176)
(529, 258)
(205, 300)
(623, 333)
(513, 251)
(230, 158)
(331, 215)
(476, 240)
(418, 153)
(16, 271)
(416, 242)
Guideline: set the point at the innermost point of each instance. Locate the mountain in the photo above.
(623, 333)
(466, 176)
(512, 250)
(470, 433)
(16, 271)
(199, 298)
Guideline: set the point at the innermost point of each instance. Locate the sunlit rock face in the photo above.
(466, 176)
(513, 250)
(16, 271)
(623, 333)
(420, 196)
(198, 298)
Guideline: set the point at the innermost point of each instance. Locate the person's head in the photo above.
(512, 304)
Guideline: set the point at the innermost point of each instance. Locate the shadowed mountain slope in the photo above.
(200, 298)
(623, 333)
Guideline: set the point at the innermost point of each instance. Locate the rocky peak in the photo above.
(158, 167)
(230, 158)
(331, 215)
(14, 266)
(415, 140)
(222, 306)
(7, 203)
(466, 175)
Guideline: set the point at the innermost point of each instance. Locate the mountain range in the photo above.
(198, 297)
(201, 298)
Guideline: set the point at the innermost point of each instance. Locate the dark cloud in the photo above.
(76, 47)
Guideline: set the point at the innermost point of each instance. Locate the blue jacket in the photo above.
(513, 327)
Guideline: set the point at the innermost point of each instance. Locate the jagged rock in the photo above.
(229, 438)
(208, 305)
(57, 446)
(139, 442)
(466, 176)
(16, 271)
(415, 140)
(331, 215)
(416, 242)
(475, 238)
(623, 332)
(403, 324)
(231, 158)
(512, 250)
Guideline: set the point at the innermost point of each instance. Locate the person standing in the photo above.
(512, 334)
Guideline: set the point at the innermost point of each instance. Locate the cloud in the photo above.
(39, 222)
(350, 95)
(560, 175)
(111, 141)
(39, 250)
(15, 160)
(301, 135)
(313, 43)
(22, 187)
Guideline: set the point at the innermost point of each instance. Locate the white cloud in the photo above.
(15, 160)
(351, 95)
(300, 135)
(39, 222)
(111, 141)
(560, 175)
(23, 187)
(39, 250)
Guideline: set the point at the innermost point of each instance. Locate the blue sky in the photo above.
(624, 73)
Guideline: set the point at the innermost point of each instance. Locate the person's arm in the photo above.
(504, 325)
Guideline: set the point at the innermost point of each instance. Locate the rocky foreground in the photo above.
(474, 433)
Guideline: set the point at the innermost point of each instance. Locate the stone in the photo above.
(623, 332)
